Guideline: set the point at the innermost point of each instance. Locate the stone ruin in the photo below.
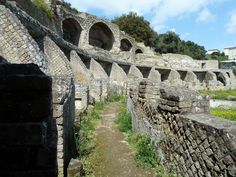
(84, 59)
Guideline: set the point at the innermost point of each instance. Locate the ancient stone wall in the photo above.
(28, 131)
(189, 141)
(64, 114)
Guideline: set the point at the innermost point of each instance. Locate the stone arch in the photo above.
(125, 45)
(137, 51)
(100, 35)
(71, 30)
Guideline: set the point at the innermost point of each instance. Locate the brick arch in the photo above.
(125, 45)
(100, 35)
(71, 30)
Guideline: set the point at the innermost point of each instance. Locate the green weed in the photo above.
(144, 150)
(116, 98)
(124, 121)
(99, 106)
(42, 5)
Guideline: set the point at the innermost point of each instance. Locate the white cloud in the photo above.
(159, 11)
(205, 16)
(231, 24)
(185, 35)
(112, 7)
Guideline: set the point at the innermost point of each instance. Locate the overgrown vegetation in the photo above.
(116, 98)
(229, 114)
(221, 94)
(123, 120)
(42, 5)
(85, 137)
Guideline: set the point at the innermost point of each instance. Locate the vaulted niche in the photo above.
(71, 31)
(125, 45)
(101, 36)
(138, 51)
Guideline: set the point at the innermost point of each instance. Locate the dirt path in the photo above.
(115, 156)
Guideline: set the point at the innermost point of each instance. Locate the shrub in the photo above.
(42, 5)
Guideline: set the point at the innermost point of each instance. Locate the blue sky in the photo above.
(211, 23)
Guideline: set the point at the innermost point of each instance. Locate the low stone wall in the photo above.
(188, 140)
(28, 131)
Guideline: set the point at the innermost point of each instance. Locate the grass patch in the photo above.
(144, 150)
(145, 154)
(116, 98)
(221, 94)
(229, 114)
(124, 120)
(99, 106)
(42, 5)
(85, 137)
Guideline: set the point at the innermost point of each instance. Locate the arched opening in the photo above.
(221, 78)
(125, 45)
(101, 36)
(71, 31)
(138, 51)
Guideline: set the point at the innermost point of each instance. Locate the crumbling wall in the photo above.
(28, 131)
(189, 141)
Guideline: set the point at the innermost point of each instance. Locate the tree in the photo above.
(193, 50)
(168, 43)
(137, 27)
(217, 56)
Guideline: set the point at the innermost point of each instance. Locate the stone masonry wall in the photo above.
(28, 131)
(188, 140)
(64, 114)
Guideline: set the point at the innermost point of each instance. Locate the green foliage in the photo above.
(229, 114)
(144, 150)
(137, 27)
(116, 98)
(84, 132)
(217, 56)
(98, 106)
(124, 120)
(42, 5)
(192, 49)
(221, 94)
(168, 43)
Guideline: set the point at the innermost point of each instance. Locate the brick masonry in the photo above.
(188, 140)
